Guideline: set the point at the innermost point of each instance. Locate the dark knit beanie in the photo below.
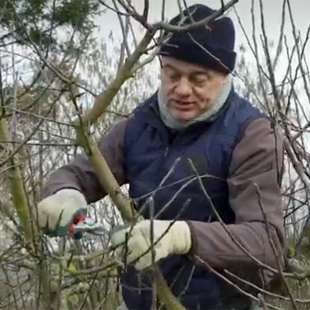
(212, 48)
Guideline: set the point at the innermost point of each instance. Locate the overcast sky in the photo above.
(242, 17)
(272, 15)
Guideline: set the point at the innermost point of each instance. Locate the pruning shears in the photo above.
(88, 225)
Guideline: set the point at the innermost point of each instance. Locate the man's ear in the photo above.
(226, 77)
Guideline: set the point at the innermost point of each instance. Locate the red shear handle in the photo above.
(76, 220)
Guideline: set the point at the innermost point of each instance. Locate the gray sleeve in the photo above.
(79, 174)
(255, 197)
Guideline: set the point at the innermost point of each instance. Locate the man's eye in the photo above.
(199, 79)
(174, 77)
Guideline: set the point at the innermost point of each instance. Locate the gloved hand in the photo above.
(58, 212)
(174, 238)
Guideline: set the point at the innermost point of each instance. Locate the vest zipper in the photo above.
(166, 151)
(168, 148)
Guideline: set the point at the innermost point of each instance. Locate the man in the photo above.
(211, 162)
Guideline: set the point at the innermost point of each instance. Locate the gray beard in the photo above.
(173, 123)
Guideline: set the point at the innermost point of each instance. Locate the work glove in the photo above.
(169, 237)
(59, 212)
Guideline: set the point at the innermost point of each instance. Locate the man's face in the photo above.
(189, 89)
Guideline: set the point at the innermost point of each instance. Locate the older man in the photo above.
(213, 164)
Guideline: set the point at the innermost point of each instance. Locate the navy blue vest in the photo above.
(152, 152)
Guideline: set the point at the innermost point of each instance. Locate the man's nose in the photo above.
(183, 87)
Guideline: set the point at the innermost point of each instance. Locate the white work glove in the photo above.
(58, 212)
(174, 238)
